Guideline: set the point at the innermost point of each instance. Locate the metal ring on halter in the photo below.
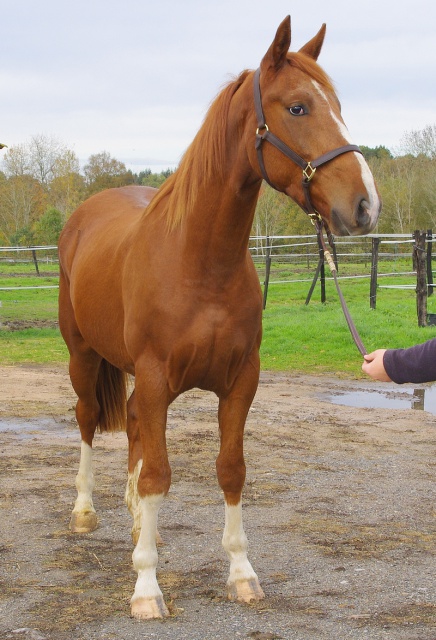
(264, 126)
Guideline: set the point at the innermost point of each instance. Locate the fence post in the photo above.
(419, 260)
(374, 273)
(35, 261)
(429, 262)
(322, 270)
(267, 271)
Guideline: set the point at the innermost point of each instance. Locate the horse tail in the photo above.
(112, 397)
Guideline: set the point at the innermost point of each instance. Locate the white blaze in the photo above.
(367, 177)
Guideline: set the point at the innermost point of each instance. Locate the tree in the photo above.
(45, 155)
(276, 214)
(381, 152)
(16, 161)
(67, 188)
(47, 229)
(407, 185)
(38, 174)
(104, 172)
(421, 142)
(269, 209)
(149, 179)
(22, 201)
(22, 237)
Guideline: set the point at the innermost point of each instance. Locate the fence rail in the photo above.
(402, 255)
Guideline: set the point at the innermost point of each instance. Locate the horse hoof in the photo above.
(149, 608)
(83, 522)
(245, 590)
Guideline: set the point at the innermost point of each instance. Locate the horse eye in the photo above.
(297, 110)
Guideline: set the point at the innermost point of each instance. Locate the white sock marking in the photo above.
(84, 481)
(132, 497)
(236, 545)
(145, 555)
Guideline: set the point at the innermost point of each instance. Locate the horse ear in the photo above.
(314, 46)
(276, 54)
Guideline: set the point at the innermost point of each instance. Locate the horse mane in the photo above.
(204, 159)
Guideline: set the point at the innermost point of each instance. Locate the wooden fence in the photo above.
(368, 250)
(291, 259)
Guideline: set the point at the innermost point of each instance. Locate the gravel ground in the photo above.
(339, 511)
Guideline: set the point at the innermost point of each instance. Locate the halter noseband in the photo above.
(309, 168)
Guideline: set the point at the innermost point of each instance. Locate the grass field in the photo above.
(306, 339)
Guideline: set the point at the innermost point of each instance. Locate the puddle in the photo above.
(40, 427)
(423, 398)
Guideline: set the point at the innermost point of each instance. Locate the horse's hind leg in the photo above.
(242, 584)
(84, 370)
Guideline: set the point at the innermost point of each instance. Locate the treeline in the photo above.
(41, 183)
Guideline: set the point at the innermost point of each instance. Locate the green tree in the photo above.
(381, 152)
(47, 229)
(149, 179)
(22, 237)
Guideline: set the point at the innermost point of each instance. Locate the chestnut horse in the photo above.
(161, 286)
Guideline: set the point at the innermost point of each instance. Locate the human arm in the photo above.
(416, 364)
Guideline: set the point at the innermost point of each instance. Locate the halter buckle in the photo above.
(309, 172)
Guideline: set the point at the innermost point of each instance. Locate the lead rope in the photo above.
(319, 223)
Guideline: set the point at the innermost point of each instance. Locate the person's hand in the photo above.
(373, 366)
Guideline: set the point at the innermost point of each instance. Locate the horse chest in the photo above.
(208, 355)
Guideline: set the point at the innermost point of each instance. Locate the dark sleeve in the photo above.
(416, 364)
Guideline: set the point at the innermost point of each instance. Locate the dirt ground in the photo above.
(339, 506)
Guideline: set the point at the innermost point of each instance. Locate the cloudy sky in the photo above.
(135, 77)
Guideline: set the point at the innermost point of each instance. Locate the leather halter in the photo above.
(309, 168)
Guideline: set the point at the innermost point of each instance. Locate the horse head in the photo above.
(302, 146)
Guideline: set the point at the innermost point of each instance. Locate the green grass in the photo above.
(316, 339)
(39, 346)
(305, 339)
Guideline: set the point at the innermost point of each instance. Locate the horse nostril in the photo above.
(363, 218)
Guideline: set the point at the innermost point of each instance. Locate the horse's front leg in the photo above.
(152, 476)
(243, 584)
(132, 496)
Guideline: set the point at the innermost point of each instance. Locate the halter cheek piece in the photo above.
(309, 168)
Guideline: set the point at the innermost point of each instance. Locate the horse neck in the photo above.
(221, 219)
(220, 223)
